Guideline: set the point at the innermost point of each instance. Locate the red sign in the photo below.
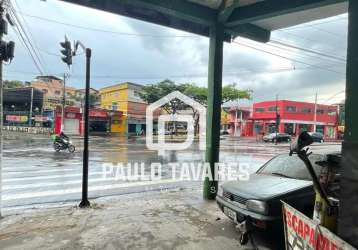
(16, 118)
(98, 113)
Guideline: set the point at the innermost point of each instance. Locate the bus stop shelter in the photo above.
(223, 20)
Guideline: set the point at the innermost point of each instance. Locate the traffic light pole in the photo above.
(85, 203)
(63, 103)
(1, 108)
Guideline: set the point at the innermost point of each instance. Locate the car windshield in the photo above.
(291, 166)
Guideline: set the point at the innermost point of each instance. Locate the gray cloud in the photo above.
(146, 59)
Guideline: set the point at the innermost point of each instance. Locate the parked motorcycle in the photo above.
(64, 145)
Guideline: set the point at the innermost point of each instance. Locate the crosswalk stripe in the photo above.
(48, 177)
(78, 190)
(50, 184)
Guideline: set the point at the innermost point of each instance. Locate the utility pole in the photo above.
(31, 106)
(315, 114)
(277, 120)
(85, 203)
(63, 103)
(1, 102)
(7, 50)
(235, 124)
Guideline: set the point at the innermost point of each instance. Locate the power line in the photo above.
(333, 96)
(22, 40)
(108, 31)
(18, 31)
(309, 50)
(287, 58)
(27, 38)
(30, 37)
(317, 23)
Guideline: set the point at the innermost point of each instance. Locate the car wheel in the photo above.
(244, 238)
(274, 140)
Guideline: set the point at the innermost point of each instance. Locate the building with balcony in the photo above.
(295, 117)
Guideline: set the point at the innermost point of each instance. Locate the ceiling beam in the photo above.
(250, 31)
(148, 13)
(272, 8)
(175, 8)
(226, 10)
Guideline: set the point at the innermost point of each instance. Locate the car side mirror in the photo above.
(303, 140)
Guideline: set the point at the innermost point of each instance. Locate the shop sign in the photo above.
(71, 115)
(98, 113)
(302, 233)
(40, 118)
(16, 118)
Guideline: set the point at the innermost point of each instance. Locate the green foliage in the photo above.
(199, 94)
(153, 92)
(231, 92)
(13, 84)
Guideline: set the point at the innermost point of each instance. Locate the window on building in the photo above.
(114, 106)
(260, 110)
(320, 111)
(136, 93)
(290, 108)
(332, 112)
(57, 92)
(272, 109)
(45, 91)
(306, 110)
(116, 94)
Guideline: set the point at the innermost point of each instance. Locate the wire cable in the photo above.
(108, 31)
(26, 37)
(287, 58)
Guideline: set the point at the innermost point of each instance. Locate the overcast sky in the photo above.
(129, 50)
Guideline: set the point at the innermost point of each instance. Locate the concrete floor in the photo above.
(177, 219)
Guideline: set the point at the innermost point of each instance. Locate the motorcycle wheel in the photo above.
(71, 148)
(57, 147)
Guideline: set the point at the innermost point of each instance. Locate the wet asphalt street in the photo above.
(34, 174)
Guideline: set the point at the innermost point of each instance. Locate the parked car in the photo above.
(258, 200)
(281, 137)
(317, 137)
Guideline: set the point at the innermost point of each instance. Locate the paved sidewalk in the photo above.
(167, 220)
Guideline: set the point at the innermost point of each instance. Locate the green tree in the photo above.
(231, 92)
(13, 84)
(152, 93)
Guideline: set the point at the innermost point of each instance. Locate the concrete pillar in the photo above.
(348, 213)
(214, 106)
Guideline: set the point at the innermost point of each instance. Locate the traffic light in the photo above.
(67, 52)
(7, 50)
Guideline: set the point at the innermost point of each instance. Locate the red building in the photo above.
(99, 120)
(239, 121)
(295, 118)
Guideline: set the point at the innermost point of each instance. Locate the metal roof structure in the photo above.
(253, 19)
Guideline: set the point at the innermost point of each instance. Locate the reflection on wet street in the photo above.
(33, 173)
